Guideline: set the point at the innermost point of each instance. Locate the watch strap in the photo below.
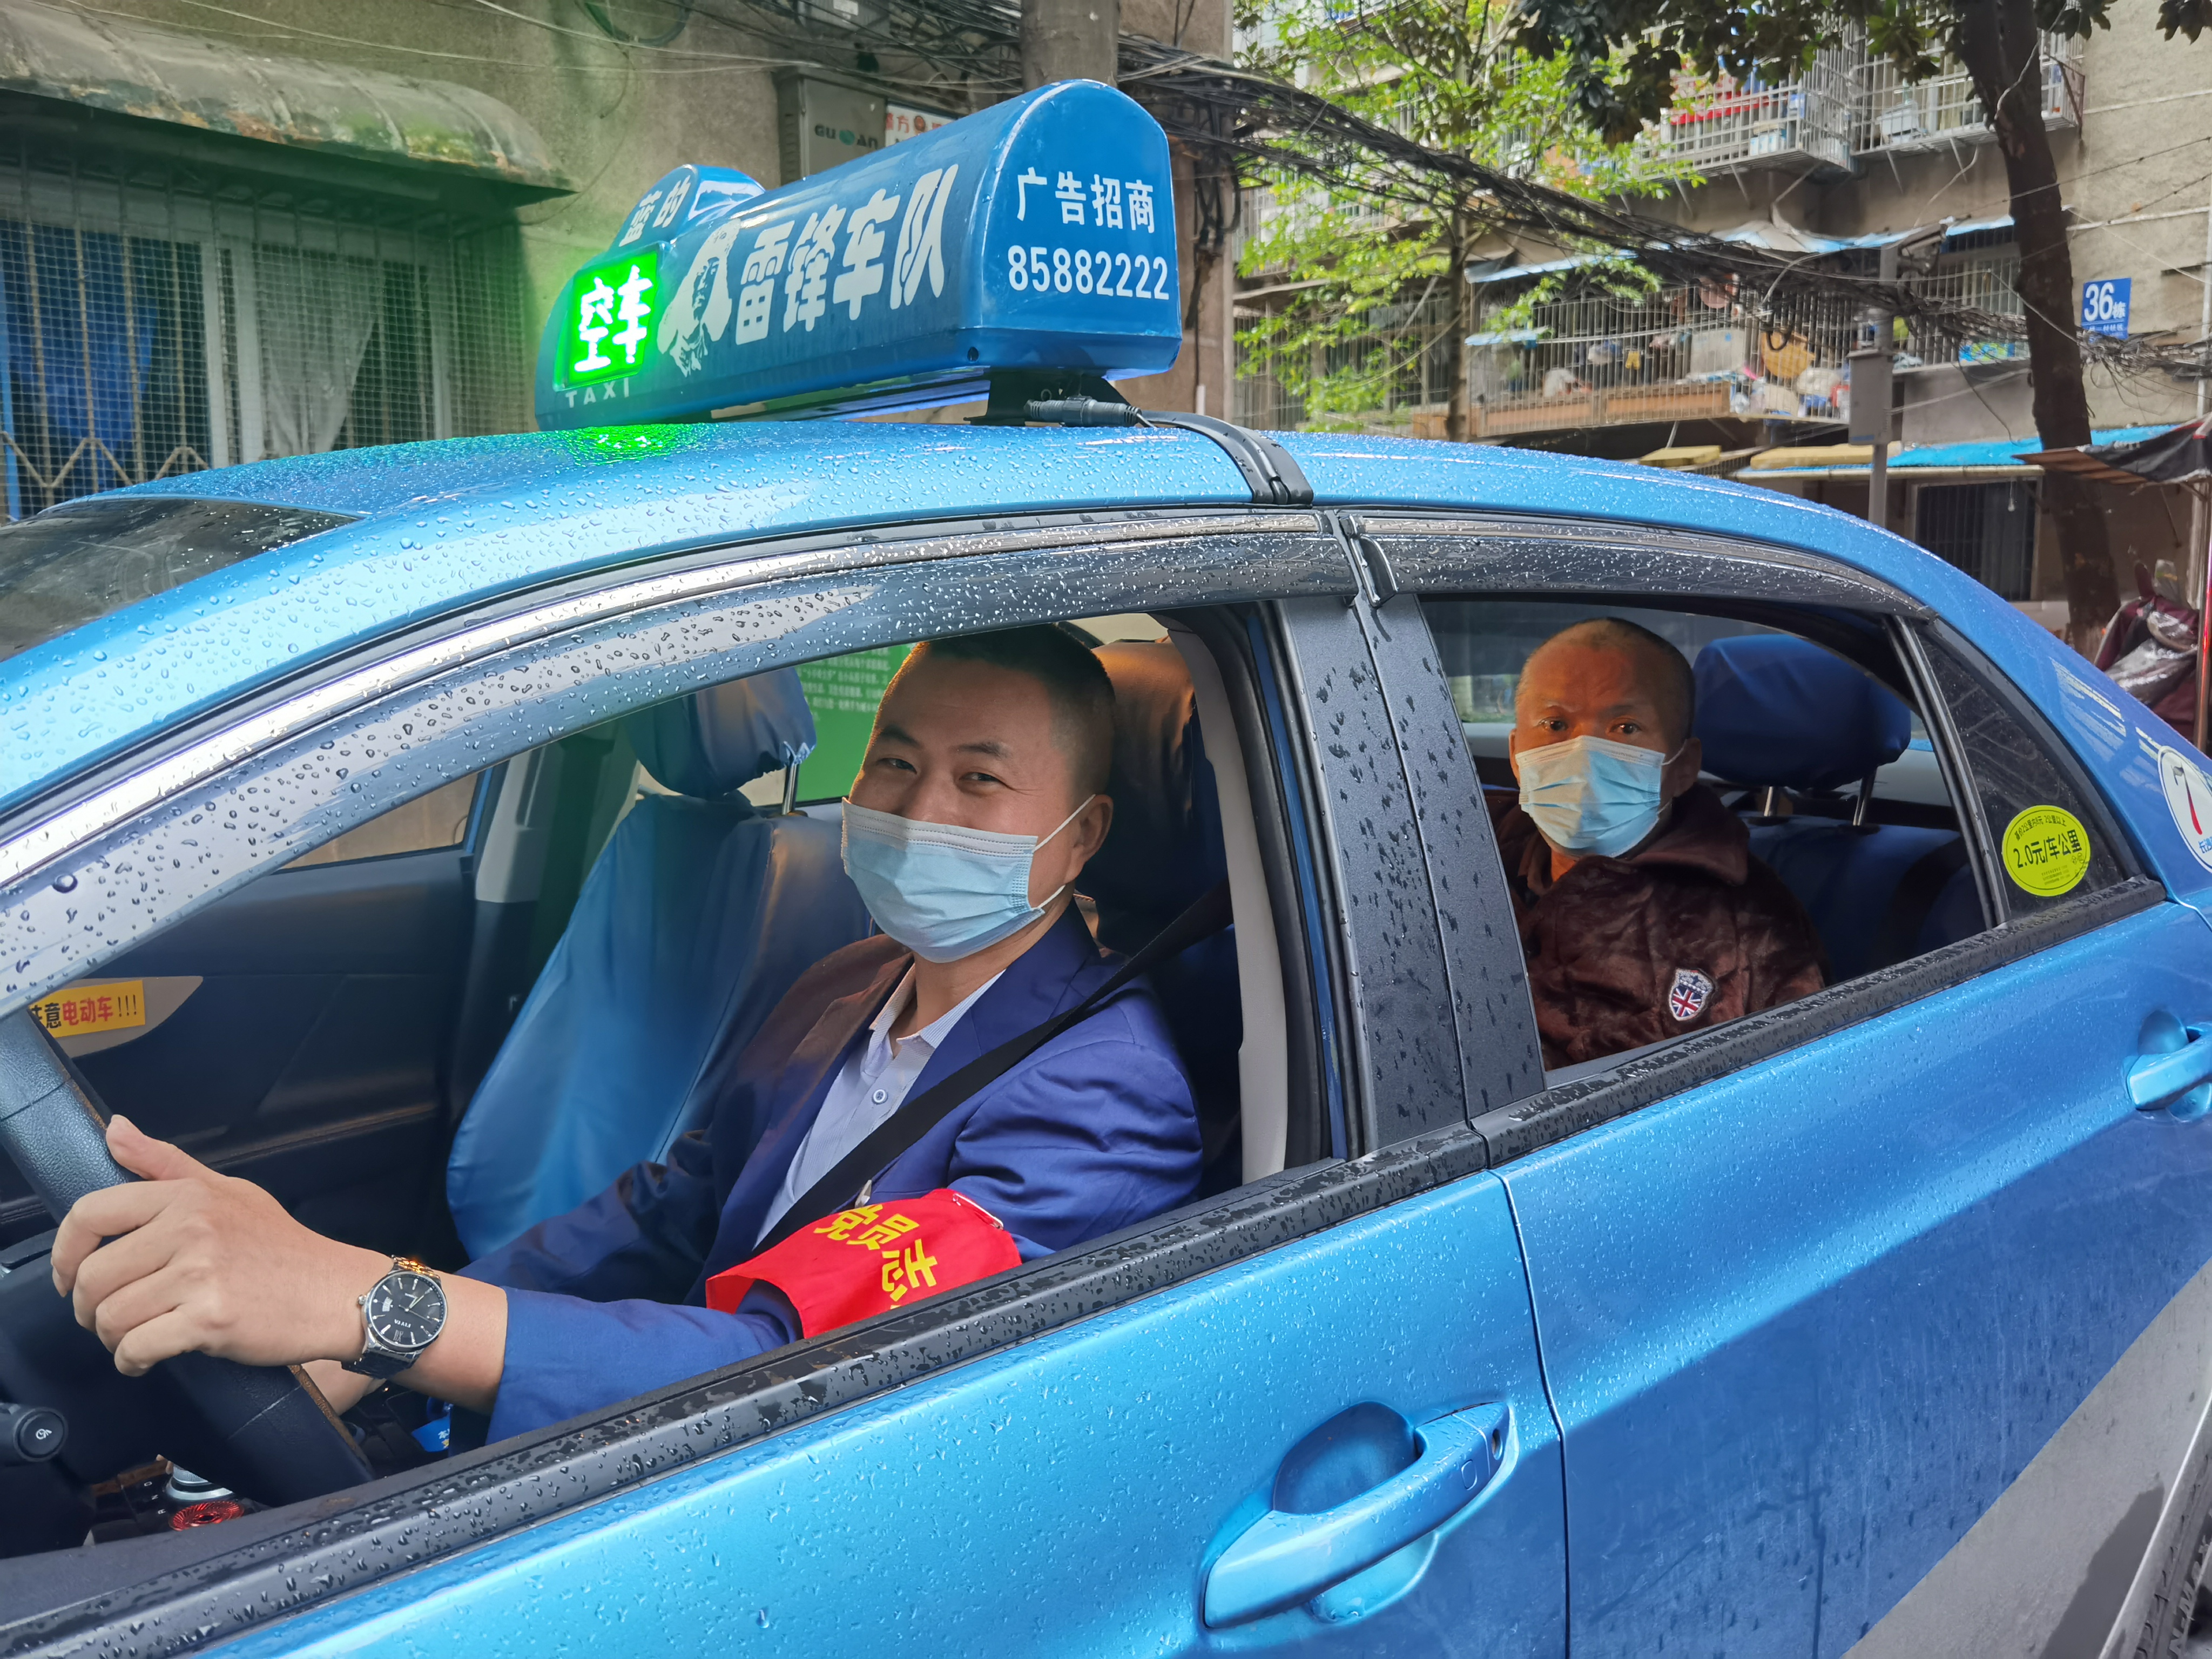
(378, 1363)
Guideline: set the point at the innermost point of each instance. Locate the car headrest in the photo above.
(714, 742)
(1774, 710)
(1164, 850)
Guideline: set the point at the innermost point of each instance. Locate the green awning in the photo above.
(127, 67)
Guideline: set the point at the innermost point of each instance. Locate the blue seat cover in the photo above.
(692, 924)
(1772, 709)
(1846, 880)
(1777, 711)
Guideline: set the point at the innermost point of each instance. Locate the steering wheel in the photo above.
(260, 1429)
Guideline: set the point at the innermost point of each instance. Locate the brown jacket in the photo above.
(1689, 932)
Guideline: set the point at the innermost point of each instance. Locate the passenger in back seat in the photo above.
(1642, 913)
(982, 796)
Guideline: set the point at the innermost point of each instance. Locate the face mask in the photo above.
(942, 891)
(1592, 794)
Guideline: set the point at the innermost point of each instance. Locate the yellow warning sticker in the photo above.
(2047, 851)
(85, 1009)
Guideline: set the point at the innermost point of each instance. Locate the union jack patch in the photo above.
(1686, 998)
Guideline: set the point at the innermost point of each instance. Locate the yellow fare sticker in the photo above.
(88, 1010)
(2047, 851)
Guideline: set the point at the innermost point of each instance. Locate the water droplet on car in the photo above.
(64, 884)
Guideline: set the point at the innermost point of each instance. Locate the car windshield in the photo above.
(73, 564)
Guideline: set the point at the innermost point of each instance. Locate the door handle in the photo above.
(2175, 1069)
(1282, 1560)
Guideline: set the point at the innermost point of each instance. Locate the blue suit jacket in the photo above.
(1094, 1131)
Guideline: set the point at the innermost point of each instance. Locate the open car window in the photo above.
(439, 819)
(1821, 766)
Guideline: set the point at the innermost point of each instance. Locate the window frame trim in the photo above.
(1957, 775)
(1499, 536)
(1688, 1062)
(703, 569)
(71, 834)
(1292, 741)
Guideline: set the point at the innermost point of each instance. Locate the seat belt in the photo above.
(900, 1131)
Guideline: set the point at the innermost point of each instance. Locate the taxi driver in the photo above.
(1643, 912)
(980, 797)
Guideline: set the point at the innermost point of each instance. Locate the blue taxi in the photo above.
(401, 830)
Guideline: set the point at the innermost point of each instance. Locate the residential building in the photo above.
(1827, 168)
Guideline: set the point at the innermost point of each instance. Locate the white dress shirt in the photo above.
(867, 1090)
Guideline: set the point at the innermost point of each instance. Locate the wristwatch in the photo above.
(402, 1314)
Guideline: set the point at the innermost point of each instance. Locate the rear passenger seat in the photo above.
(1779, 712)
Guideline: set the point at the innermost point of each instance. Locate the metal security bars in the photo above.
(1395, 376)
(1891, 113)
(1804, 122)
(1986, 530)
(1851, 101)
(154, 325)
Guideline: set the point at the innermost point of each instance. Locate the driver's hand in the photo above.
(194, 1260)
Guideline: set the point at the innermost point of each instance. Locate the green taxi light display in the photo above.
(610, 312)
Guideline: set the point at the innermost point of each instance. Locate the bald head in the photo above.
(1610, 671)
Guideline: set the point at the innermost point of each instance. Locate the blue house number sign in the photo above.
(2104, 306)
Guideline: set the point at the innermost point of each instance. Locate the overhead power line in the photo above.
(1269, 131)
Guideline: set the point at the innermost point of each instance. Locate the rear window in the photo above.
(71, 565)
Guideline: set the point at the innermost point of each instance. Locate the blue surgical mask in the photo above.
(1592, 795)
(941, 890)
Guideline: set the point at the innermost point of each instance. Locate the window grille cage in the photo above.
(1264, 399)
(1891, 113)
(1401, 364)
(1986, 530)
(152, 324)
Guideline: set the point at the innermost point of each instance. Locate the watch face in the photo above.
(405, 1309)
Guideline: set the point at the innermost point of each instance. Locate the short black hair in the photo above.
(1075, 681)
(1677, 683)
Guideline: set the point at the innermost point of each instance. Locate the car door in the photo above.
(296, 1033)
(1876, 1319)
(1175, 1438)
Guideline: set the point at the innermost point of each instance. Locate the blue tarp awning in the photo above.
(1973, 456)
(1480, 272)
(2005, 452)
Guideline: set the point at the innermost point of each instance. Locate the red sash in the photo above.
(875, 1258)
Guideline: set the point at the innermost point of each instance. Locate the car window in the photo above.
(1819, 818)
(843, 692)
(2051, 840)
(73, 564)
(438, 819)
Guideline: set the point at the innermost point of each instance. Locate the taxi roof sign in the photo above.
(1035, 236)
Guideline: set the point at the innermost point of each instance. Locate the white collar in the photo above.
(935, 1033)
